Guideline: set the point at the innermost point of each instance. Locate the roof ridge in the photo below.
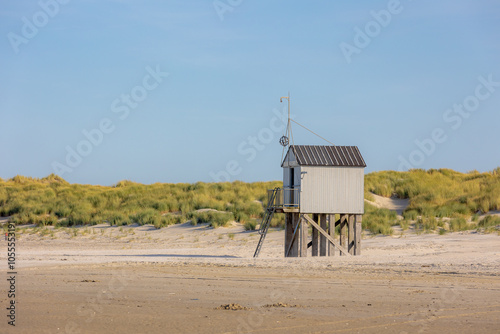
(331, 155)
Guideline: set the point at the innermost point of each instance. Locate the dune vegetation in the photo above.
(439, 200)
(53, 201)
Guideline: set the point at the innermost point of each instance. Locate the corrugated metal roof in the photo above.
(343, 156)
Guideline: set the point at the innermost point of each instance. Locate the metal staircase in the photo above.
(266, 221)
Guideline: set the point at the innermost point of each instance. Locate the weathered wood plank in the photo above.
(351, 236)
(303, 238)
(322, 239)
(331, 230)
(288, 232)
(320, 230)
(293, 247)
(343, 231)
(357, 231)
(315, 239)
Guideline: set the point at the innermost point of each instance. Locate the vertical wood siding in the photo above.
(332, 190)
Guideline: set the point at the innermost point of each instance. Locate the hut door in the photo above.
(292, 186)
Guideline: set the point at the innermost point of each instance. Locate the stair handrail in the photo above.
(266, 221)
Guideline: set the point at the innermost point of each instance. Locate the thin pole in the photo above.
(290, 133)
(289, 124)
(289, 107)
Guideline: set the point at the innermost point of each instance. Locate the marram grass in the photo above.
(433, 195)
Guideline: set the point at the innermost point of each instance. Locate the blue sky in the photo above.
(382, 75)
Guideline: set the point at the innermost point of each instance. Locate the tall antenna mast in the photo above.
(285, 140)
(289, 117)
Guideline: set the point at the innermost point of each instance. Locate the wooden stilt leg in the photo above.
(288, 231)
(357, 232)
(331, 231)
(294, 251)
(304, 240)
(343, 231)
(351, 237)
(322, 239)
(315, 239)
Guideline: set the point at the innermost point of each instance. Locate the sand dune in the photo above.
(394, 204)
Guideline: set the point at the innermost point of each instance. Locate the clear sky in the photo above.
(184, 91)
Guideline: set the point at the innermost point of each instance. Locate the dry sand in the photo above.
(181, 278)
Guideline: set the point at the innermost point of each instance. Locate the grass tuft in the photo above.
(251, 225)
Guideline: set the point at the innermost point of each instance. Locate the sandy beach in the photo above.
(182, 278)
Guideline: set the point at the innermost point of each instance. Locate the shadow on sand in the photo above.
(180, 256)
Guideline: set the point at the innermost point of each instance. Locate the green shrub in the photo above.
(79, 218)
(164, 222)
(278, 221)
(214, 218)
(161, 206)
(118, 219)
(62, 210)
(21, 219)
(458, 224)
(62, 223)
(241, 217)
(14, 207)
(31, 218)
(419, 226)
(146, 217)
(95, 201)
(404, 224)
(410, 214)
(379, 221)
(380, 228)
(426, 210)
(169, 220)
(47, 220)
(97, 219)
(186, 208)
(489, 221)
(251, 225)
(484, 205)
(369, 196)
(430, 224)
(254, 209)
